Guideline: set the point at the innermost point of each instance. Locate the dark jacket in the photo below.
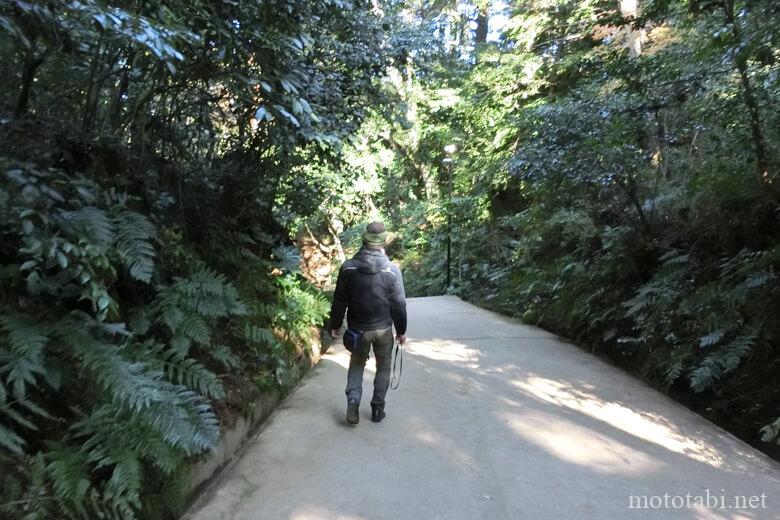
(371, 287)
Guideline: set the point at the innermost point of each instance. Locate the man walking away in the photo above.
(371, 290)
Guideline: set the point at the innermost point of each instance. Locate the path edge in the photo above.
(205, 472)
(761, 454)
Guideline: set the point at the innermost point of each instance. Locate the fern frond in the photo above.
(287, 258)
(68, 470)
(181, 345)
(129, 383)
(168, 307)
(190, 373)
(20, 365)
(176, 489)
(183, 305)
(109, 433)
(224, 356)
(771, 431)
(179, 415)
(210, 294)
(134, 233)
(673, 372)
(25, 358)
(11, 441)
(184, 420)
(126, 478)
(176, 413)
(723, 360)
(259, 335)
(92, 224)
(711, 339)
(193, 327)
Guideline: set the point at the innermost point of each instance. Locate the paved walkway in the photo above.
(493, 420)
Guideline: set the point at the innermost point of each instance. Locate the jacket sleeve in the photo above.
(398, 301)
(339, 306)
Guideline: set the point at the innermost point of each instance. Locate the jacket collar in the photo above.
(370, 251)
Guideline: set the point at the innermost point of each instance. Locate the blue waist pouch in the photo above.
(352, 339)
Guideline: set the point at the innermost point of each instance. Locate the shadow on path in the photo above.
(493, 419)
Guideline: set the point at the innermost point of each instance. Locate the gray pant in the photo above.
(382, 343)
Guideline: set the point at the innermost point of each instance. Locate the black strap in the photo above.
(395, 365)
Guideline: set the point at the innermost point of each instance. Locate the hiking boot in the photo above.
(377, 412)
(352, 412)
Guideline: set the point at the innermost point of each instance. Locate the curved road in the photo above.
(494, 419)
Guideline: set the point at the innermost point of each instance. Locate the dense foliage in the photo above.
(615, 181)
(148, 173)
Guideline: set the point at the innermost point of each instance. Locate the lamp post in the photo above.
(448, 160)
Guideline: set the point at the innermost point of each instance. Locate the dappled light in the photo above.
(575, 444)
(313, 512)
(619, 416)
(446, 351)
(491, 427)
(338, 355)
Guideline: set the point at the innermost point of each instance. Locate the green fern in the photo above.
(224, 356)
(259, 335)
(22, 366)
(134, 233)
(711, 339)
(210, 294)
(179, 415)
(287, 259)
(187, 307)
(771, 431)
(107, 434)
(25, 358)
(723, 360)
(194, 327)
(166, 495)
(190, 373)
(93, 225)
(68, 470)
(675, 364)
(10, 440)
(169, 309)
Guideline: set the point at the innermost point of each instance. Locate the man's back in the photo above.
(370, 288)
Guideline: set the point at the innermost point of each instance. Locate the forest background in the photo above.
(606, 169)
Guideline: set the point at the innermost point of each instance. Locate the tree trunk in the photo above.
(632, 38)
(759, 145)
(482, 25)
(31, 65)
(89, 105)
(455, 35)
(629, 187)
(334, 233)
(749, 97)
(115, 110)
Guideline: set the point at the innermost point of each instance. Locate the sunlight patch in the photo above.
(643, 426)
(578, 445)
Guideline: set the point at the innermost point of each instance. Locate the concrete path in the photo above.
(493, 420)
